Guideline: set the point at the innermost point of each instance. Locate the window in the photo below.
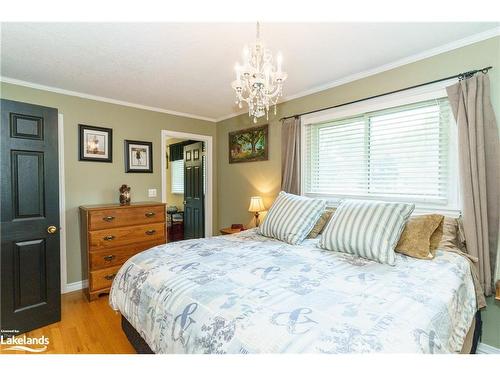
(401, 153)
(177, 170)
(204, 165)
(203, 159)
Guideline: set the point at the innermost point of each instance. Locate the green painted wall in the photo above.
(95, 183)
(238, 182)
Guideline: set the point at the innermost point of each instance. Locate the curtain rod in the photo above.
(460, 76)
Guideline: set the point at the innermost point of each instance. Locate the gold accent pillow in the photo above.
(417, 237)
(322, 221)
(437, 236)
(450, 233)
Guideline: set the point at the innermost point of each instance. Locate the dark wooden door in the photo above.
(194, 223)
(30, 258)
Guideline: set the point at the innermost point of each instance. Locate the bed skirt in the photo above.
(141, 347)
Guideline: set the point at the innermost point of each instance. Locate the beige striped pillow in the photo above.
(369, 229)
(291, 217)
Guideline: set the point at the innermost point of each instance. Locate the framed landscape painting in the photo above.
(249, 145)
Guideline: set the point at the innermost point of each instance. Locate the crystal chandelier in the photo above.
(258, 82)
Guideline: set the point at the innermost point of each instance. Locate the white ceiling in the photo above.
(188, 67)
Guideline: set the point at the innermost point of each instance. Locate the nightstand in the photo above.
(230, 230)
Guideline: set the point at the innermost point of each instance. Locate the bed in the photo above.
(246, 293)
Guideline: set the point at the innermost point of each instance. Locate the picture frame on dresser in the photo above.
(95, 143)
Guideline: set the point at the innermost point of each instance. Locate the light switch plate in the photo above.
(151, 193)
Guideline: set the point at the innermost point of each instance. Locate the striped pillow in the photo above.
(369, 229)
(291, 217)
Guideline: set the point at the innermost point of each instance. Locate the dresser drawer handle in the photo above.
(109, 258)
(150, 232)
(108, 218)
(149, 214)
(110, 277)
(109, 238)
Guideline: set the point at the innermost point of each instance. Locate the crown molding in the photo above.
(101, 98)
(475, 38)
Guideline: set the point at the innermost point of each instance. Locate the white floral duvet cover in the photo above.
(246, 293)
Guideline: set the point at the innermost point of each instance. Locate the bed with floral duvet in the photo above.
(246, 293)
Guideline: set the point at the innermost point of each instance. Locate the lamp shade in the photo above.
(256, 204)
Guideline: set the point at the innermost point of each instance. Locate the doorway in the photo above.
(187, 184)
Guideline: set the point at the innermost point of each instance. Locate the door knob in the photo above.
(52, 229)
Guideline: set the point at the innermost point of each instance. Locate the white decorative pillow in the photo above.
(291, 217)
(369, 229)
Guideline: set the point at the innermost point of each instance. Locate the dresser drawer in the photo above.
(116, 256)
(119, 217)
(102, 279)
(117, 237)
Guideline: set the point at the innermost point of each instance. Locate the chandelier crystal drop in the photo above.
(259, 82)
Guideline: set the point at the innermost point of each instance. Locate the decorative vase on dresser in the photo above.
(113, 233)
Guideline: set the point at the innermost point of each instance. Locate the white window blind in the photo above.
(204, 166)
(400, 153)
(204, 173)
(177, 170)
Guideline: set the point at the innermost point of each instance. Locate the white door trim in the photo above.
(62, 203)
(208, 139)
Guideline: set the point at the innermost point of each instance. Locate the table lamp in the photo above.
(256, 205)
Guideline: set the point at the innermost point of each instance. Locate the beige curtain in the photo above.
(290, 155)
(479, 162)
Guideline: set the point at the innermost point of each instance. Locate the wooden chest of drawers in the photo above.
(112, 233)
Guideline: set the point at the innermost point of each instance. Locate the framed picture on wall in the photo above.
(138, 157)
(95, 143)
(249, 144)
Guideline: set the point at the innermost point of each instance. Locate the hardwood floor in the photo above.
(91, 328)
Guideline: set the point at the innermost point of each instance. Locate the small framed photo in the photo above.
(138, 157)
(95, 143)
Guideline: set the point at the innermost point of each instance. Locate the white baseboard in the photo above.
(487, 349)
(72, 287)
